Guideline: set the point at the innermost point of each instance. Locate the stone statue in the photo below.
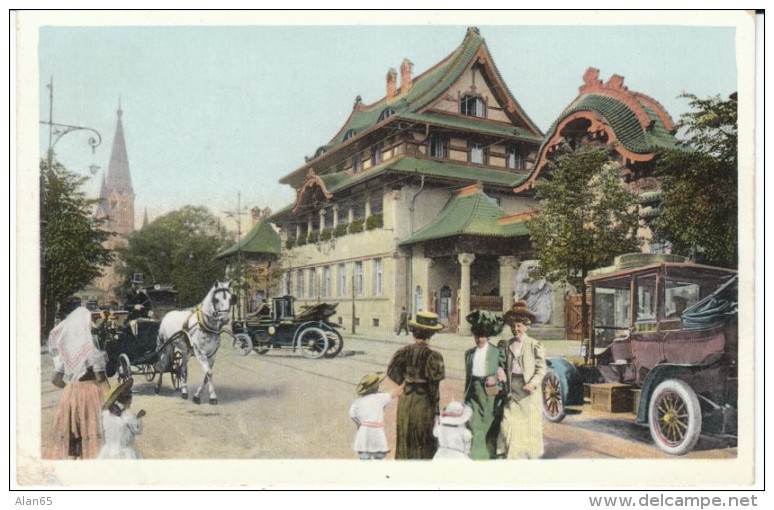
(538, 293)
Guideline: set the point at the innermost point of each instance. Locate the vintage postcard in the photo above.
(350, 250)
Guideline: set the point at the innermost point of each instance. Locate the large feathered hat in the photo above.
(484, 323)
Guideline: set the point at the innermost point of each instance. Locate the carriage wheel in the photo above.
(124, 368)
(313, 342)
(553, 407)
(174, 371)
(242, 344)
(335, 344)
(149, 372)
(674, 417)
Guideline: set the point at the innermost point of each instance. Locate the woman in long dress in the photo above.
(79, 369)
(420, 370)
(521, 429)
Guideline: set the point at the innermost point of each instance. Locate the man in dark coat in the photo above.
(403, 321)
(136, 301)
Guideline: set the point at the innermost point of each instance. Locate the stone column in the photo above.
(508, 265)
(465, 260)
(335, 216)
(322, 220)
(368, 204)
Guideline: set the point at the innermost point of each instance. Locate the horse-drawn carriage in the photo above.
(277, 326)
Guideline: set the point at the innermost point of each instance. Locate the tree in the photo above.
(72, 241)
(587, 217)
(698, 211)
(178, 248)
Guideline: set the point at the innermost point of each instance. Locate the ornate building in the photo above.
(421, 198)
(117, 207)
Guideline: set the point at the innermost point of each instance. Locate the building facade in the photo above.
(421, 199)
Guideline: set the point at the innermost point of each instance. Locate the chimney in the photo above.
(405, 75)
(255, 214)
(392, 79)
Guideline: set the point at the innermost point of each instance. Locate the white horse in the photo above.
(197, 329)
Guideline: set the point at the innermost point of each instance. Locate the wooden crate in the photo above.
(612, 397)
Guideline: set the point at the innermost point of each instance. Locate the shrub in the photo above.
(340, 230)
(374, 221)
(290, 242)
(356, 226)
(313, 237)
(326, 234)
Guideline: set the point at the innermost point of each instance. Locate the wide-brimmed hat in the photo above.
(427, 321)
(455, 413)
(117, 392)
(484, 323)
(369, 382)
(518, 313)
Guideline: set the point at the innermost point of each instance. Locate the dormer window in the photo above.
(349, 134)
(387, 112)
(473, 106)
(376, 154)
(357, 163)
(319, 152)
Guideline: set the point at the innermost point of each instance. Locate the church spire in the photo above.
(145, 218)
(118, 176)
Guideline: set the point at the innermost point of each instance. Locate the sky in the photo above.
(213, 111)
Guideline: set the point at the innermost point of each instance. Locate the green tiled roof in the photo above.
(262, 238)
(466, 174)
(623, 122)
(473, 214)
(478, 125)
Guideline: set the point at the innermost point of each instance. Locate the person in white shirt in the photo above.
(367, 411)
(484, 378)
(120, 425)
(454, 438)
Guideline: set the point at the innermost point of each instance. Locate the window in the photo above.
(286, 284)
(300, 283)
(327, 281)
(312, 283)
(437, 147)
(477, 153)
(376, 154)
(359, 278)
(357, 163)
(515, 159)
(387, 112)
(377, 277)
(473, 106)
(342, 280)
(444, 302)
(645, 310)
(349, 134)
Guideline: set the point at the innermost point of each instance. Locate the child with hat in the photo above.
(454, 438)
(367, 411)
(119, 424)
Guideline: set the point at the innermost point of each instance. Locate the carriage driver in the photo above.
(136, 301)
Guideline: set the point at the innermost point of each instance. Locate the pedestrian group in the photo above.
(501, 415)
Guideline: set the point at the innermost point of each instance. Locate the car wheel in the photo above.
(674, 417)
(553, 405)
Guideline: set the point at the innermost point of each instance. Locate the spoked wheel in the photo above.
(335, 344)
(174, 371)
(242, 344)
(313, 342)
(553, 407)
(149, 372)
(674, 417)
(124, 368)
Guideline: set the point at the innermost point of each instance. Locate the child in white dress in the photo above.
(368, 414)
(120, 425)
(454, 438)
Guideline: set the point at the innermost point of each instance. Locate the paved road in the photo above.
(284, 406)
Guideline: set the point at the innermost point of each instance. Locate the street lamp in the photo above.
(55, 133)
(237, 216)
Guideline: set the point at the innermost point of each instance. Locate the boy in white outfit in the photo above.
(120, 425)
(454, 438)
(368, 414)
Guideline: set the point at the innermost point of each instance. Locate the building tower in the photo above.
(117, 207)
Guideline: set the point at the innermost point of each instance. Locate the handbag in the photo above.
(493, 389)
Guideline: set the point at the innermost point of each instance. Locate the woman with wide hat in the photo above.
(419, 369)
(521, 429)
(484, 378)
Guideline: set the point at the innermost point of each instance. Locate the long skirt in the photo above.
(77, 425)
(484, 422)
(415, 420)
(521, 430)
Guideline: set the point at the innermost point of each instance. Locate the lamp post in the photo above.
(237, 216)
(55, 133)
